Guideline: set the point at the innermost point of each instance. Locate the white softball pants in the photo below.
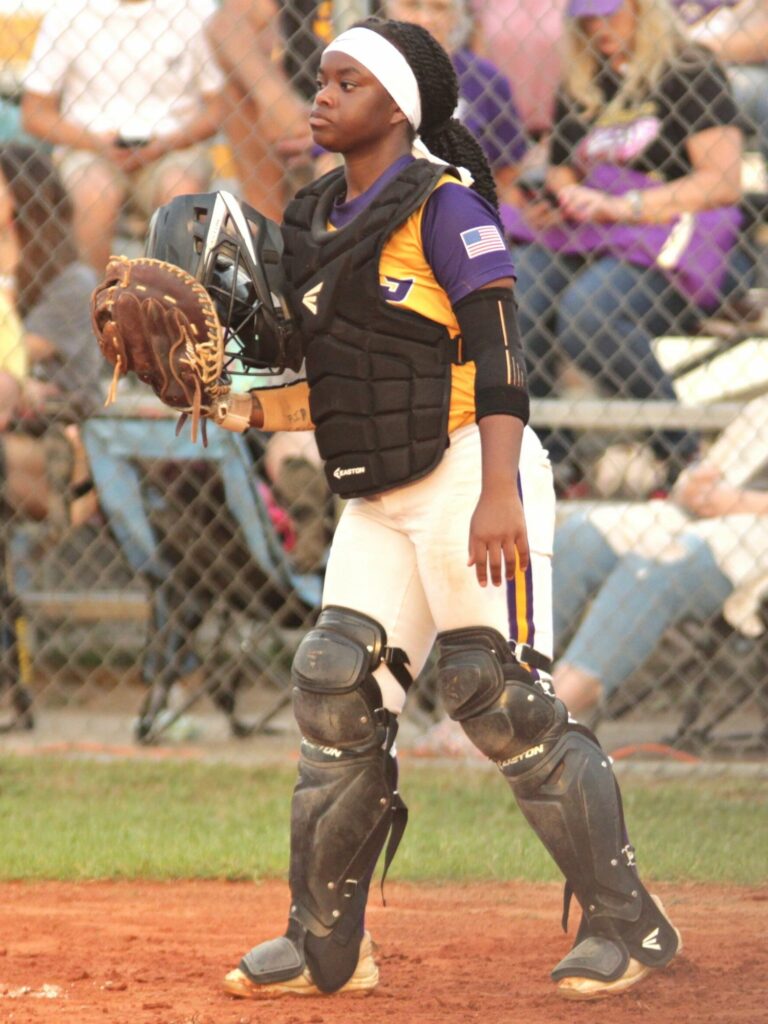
(401, 559)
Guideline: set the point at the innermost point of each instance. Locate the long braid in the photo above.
(442, 133)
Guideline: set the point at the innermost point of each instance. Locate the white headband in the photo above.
(386, 63)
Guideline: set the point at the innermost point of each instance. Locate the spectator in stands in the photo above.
(625, 573)
(269, 51)
(523, 40)
(127, 92)
(13, 363)
(19, 23)
(736, 31)
(633, 237)
(58, 362)
(486, 100)
(12, 374)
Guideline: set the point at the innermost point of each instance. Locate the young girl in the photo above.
(416, 389)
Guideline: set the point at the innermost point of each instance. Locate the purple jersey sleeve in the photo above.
(463, 241)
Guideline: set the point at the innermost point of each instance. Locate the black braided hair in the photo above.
(442, 133)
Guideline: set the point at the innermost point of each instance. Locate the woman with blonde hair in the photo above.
(634, 235)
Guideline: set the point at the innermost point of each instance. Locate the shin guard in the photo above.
(344, 807)
(572, 801)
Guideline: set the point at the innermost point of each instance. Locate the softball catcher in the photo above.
(399, 290)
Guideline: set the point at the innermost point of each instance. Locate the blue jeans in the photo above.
(633, 599)
(603, 314)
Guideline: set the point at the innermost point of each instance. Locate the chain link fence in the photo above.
(146, 577)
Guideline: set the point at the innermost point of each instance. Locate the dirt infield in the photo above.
(142, 953)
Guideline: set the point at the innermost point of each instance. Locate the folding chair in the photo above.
(116, 451)
(736, 677)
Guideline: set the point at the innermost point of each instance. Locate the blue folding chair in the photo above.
(119, 451)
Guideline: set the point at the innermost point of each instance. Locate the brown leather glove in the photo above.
(155, 319)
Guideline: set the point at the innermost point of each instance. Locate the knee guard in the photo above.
(509, 715)
(345, 803)
(565, 787)
(336, 700)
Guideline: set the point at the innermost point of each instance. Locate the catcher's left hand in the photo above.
(155, 319)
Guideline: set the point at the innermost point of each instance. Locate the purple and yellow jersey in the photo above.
(451, 246)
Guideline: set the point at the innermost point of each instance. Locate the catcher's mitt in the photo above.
(155, 319)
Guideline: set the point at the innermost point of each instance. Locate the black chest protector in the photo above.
(379, 375)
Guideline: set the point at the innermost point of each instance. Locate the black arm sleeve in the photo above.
(491, 340)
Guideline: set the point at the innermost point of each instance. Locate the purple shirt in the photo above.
(487, 108)
(451, 214)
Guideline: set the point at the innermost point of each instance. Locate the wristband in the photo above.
(286, 408)
(234, 412)
(635, 199)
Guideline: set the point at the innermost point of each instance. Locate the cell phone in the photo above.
(124, 143)
(546, 196)
(541, 195)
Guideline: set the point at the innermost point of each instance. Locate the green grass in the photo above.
(78, 819)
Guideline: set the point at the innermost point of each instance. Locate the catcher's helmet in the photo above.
(234, 252)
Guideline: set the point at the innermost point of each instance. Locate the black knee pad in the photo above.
(508, 714)
(336, 700)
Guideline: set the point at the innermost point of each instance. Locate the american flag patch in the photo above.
(478, 241)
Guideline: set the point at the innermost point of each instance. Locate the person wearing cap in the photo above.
(403, 287)
(638, 234)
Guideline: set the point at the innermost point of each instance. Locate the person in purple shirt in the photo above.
(486, 100)
(638, 231)
(736, 31)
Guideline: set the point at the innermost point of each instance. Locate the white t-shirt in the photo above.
(139, 68)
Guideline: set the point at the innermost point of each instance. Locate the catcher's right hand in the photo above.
(155, 319)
